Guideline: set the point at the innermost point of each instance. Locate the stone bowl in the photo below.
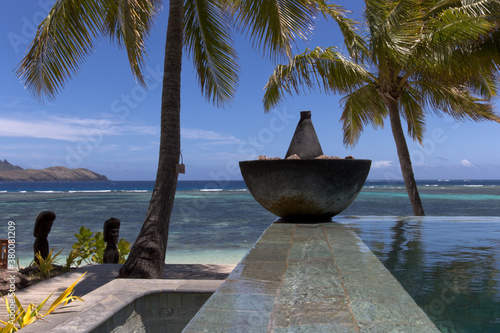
(305, 190)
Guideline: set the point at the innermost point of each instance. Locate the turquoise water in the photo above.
(449, 264)
(207, 225)
(211, 222)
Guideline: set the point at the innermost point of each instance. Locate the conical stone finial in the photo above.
(305, 142)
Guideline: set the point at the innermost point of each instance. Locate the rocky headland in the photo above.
(9, 172)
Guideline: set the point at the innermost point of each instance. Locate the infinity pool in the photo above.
(449, 265)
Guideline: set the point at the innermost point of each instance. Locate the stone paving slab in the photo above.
(310, 278)
(104, 294)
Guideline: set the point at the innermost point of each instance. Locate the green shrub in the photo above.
(90, 247)
(123, 250)
(84, 246)
(45, 266)
(71, 259)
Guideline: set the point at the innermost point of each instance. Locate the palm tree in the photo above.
(68, 34)
(415, 57)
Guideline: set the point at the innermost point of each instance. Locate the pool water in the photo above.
(449, 265)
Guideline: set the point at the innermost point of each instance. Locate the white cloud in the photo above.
(466, 163)
(38, 129)
(146, 130)
(213, 137)
(83, 121)
(222, 157)
(106, 148)
(68, 129)
(139, 148)
(381, 164)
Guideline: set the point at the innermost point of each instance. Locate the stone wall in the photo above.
(159, 312)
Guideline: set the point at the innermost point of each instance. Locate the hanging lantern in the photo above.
(180, 168)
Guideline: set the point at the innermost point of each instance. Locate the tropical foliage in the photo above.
(89, 248)
(70, 33)
(46, 265)
(72, 29)
(412, 58)
(23, 316)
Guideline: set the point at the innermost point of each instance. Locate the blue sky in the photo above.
(104, 122)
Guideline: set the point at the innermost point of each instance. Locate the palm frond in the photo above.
(480, 7)
(208, 42)
(326, 69)
(455, 69)
(354, 42)
(272, 25)
(67, 36)
(361, 107)
(473, 7)
(457, 102)
(411, 110)
(376, 12)
(62, 42)
(380, 17)
(455, 27)
(488, 48)
(129, 22)
(480, 78)
(400, 13)
(437, 6)
(485, 85)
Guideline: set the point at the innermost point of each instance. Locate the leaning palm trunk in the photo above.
(147, 257)
(404, 157)
(417, 57)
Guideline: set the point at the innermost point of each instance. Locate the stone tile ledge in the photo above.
(310, 278)
(110, 296)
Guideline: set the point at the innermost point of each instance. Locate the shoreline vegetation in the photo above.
(89, 248)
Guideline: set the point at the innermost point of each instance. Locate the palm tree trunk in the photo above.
(404, 157)
(147, 257)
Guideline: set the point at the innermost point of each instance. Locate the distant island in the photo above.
(9, 172)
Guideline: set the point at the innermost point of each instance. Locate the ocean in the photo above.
(212, 222)
(449, 261)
